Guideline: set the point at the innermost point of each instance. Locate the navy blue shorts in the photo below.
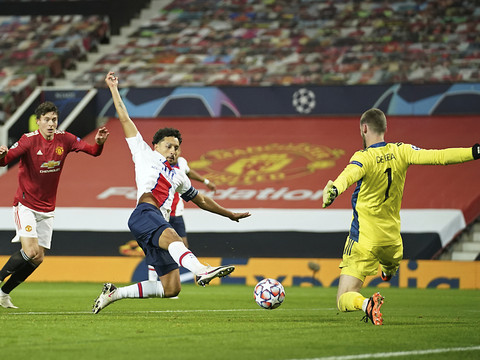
(179, 225)
(147, 224)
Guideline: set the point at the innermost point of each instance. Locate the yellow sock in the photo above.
(350, 301)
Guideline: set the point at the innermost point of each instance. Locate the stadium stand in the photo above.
(40, 40)
(35, 48)
(241, 42)
(466, 247)
(256, 43)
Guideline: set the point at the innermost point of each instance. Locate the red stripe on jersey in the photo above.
(176, 199)
(167, 164)
(181, 257)
(140, 290)
(161, 190)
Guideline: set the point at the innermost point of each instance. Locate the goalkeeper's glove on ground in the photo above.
(476, 151)
(329, 194)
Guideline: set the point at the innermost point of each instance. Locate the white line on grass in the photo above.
(227, 310)
(49, 313)
(159, 311)
(397, 353)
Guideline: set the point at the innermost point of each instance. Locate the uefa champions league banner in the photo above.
(397, 99)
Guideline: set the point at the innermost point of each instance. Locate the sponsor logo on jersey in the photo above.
(265, 163)
(59, 150)
(39, 152)
(50, 166)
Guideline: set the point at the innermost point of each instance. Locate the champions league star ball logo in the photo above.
(304, 101)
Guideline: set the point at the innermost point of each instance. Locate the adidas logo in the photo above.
(39, 152)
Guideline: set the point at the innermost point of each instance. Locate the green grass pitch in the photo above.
(54, 321)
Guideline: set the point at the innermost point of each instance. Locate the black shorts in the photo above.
(147, 224)
(179, 225)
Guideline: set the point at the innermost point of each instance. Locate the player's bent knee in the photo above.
(37, 260)
(168, 236)
(34, 253)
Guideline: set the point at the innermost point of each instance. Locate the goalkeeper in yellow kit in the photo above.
(374, 238)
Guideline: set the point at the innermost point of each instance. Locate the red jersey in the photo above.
(41, 163)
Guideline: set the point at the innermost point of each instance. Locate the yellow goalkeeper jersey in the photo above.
(380, 172)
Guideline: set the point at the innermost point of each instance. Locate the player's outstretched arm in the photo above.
(128, 126)
(206, 203)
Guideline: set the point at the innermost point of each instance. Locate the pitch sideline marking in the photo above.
(157, 311)
(395, 354)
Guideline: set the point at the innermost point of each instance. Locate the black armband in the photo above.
(190, 194)
(476, 151)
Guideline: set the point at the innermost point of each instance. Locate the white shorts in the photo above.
(33, 224)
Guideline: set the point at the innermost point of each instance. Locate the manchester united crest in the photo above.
(265, 163)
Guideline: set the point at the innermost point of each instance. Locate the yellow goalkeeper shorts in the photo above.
(361, 261)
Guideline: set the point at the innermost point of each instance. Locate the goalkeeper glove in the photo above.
(329, 194)
(476, 151)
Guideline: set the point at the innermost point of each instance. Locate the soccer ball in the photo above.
(269, 294)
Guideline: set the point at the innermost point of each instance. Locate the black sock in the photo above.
(16, 261)
(18, 277)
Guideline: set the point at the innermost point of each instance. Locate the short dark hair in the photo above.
(165, 132)
(44, 108)
(375, 119)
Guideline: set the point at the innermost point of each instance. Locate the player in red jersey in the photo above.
(42, 155)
